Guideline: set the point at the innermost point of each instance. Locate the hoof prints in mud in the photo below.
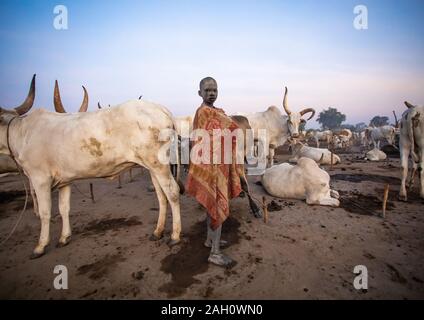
(356, 178)
(101, 267)
(192, 258)
(101, 226)
(362, 204)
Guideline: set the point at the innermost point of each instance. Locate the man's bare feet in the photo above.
(220, 259)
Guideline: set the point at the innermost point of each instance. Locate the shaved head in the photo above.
(204, 80)
(208, 90)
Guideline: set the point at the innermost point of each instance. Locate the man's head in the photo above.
(208, 90)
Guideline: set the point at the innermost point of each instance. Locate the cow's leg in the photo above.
(412, 176)
(421, 173)
(317, 141)
(34, 198)
(329, 202)
(271, 155)
(157, 234)
(43, 192)
(64, 207)
(171, 190)
(334, 194)
(404, 158)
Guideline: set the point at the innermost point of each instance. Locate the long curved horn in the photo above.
(409, 105)
(98, 105)
(286, 107)
(58, 106)
(84, 104)
(306, 111)
(29, 101)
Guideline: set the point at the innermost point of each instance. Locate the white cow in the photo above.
(412, 142)
(321, 136)
(365, 137)
(319, 155)
(56, 149)
(375, 155)
(279, 127)
(382, 133)
(184, 123)
(342, 138)
(302, 181)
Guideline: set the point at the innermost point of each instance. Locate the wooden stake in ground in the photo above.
(265, 209)
(386, 195)
(92, 192)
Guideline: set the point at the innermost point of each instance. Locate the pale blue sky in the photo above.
(161, 49)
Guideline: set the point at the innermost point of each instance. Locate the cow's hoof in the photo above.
(154, 237)
(172, 242)
(63, 243)
(36, 255)
(402, 198)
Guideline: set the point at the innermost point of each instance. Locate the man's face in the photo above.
(209, 92)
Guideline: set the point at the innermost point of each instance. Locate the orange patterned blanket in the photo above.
(213, 185)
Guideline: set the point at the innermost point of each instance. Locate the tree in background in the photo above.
(378, 121)
(331, 118)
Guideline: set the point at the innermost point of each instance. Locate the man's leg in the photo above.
(210, 235)
(216, 256)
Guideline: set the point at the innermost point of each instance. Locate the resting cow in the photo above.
(302, 181)
(319, 155)
(375, 155)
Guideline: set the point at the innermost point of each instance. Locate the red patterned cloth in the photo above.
(213, 185)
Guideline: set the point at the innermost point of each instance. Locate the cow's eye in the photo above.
(302, 120)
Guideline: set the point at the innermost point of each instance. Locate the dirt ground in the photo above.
(303, 252)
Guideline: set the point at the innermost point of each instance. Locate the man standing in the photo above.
(215, 184)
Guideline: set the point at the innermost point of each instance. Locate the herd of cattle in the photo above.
(53, 149)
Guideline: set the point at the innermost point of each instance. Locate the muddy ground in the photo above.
(303, 252)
